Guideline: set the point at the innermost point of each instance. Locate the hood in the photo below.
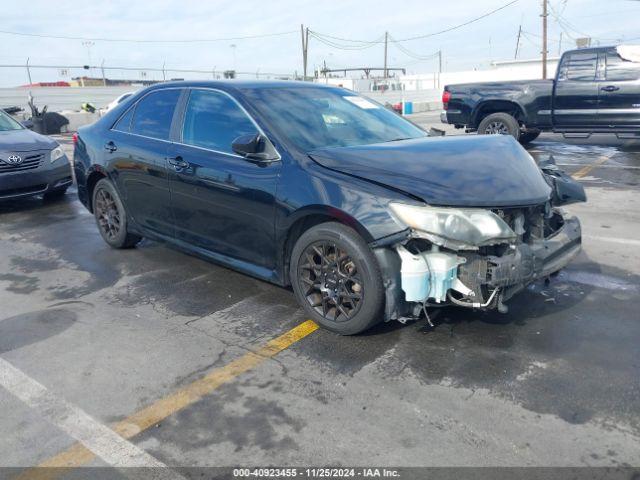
(24, 141)
(464, 171)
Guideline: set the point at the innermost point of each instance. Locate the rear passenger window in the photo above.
(213, 120)
(154, 113)
(124, 124)
(619, 69)
(579, 67)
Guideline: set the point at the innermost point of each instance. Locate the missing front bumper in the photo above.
(490, 279)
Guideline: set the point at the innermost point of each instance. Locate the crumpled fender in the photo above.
(565, 190)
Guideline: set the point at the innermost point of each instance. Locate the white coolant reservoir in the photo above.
(444, 271)
(429, 275)
(414, 275)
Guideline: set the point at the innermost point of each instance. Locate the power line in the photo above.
(469, 22)
(411, 54)
(326, 39)
(133, 40)
(417, 37)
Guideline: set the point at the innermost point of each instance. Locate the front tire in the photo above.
(337, 279)
(499, 124)
(111, 216)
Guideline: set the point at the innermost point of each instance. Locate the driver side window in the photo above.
(213, 120)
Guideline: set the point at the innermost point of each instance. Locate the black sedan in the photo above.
(30, 163)
(323, 190)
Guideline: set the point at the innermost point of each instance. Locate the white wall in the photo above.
(61, 98)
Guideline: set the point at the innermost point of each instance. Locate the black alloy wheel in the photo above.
(331, 282)
(107, 214)
(111, 216)
(336, 279)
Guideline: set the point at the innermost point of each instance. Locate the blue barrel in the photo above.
(408, 108)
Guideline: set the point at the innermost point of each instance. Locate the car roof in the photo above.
(242, 84)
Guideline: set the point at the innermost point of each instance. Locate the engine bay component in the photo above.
(429, 275)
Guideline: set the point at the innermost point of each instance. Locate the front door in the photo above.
(136, 151)
(222, 202)
(619, 105)
(575, 101)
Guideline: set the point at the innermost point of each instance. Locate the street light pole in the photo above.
(386, 40)
(29, 72)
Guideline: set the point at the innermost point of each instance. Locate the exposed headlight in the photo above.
(56, 154)
(466, 226)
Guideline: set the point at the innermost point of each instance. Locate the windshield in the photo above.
(7, 123)
(316, 117)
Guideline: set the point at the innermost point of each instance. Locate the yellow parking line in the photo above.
(587, 168)
(78, 455)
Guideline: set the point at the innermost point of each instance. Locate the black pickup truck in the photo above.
(596, 90)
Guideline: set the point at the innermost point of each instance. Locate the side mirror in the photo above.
(255, 147)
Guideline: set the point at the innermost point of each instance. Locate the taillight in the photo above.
(75, 139)
(446, 96)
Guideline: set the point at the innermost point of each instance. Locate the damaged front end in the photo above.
(477, 257)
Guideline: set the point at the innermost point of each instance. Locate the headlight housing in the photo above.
(56, 154)
(461, 227)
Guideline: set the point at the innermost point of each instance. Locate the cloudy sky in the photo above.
(472, 46)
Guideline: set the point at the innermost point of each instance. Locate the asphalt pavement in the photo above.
(192, 364)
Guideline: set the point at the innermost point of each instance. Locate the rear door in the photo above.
(619, 105)
(136, 152)
(575, 101)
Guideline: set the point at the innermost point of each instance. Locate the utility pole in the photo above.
(544, 39)
(515, 57)
(305, 48)
(386, 40)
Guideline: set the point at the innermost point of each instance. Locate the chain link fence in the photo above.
(67, 87)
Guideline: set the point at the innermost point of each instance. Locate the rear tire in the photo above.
(336, 279)
(111, 216)
(499, 124)
(528, 136)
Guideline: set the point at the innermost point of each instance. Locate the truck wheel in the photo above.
(528, 136)
(336, 279)
(111, 216)
(499, 124)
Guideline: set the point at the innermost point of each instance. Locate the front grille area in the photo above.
(29, 162)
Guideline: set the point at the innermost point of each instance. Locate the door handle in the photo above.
(178, 162)
(610, 88)
(110, 147)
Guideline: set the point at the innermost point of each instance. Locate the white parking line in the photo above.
(101, 440)
(622, 241)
